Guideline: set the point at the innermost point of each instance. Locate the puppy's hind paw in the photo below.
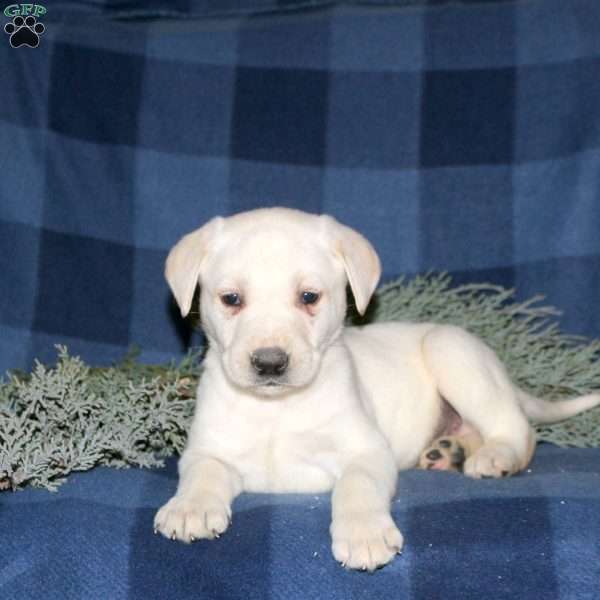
(492, 460)
(444, 454)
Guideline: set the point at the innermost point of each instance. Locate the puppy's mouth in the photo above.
(272, 383)
(272, 387)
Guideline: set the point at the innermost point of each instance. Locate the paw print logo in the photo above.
(24, 32)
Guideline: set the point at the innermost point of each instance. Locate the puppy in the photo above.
(290, 401)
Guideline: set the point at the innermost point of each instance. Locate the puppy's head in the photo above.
(272, 291)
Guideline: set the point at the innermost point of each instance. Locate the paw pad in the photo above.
(24, 31)
(444, 454)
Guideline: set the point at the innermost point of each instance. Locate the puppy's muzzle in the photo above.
(269, 362)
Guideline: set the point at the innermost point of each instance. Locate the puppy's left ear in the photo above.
(361, 263)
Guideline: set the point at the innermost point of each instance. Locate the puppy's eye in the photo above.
(231, 299)
(309, 297)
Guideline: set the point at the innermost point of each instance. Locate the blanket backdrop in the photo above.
(457, 136)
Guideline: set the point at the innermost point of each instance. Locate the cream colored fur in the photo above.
(353, 406)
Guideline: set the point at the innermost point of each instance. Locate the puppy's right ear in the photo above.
(182, 269)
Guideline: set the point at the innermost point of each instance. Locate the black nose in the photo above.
(269, 361)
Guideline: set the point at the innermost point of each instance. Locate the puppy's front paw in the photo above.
(365, 541)
(191, 519)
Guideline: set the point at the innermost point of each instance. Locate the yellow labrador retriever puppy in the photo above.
(291, 401)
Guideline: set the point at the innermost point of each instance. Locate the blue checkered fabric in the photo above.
(534, 536)
(456, 136)
(459, 137)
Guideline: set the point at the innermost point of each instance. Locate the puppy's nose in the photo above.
(269, 361)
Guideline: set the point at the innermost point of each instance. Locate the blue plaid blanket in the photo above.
(456, 136)
(532, 536)
(460, 137)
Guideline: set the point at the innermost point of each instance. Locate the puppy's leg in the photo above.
(201, 508)
(364, 536)
(473, 380)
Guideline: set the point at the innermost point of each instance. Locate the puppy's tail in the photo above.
(546, 411)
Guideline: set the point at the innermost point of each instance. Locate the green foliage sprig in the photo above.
(71, 417)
